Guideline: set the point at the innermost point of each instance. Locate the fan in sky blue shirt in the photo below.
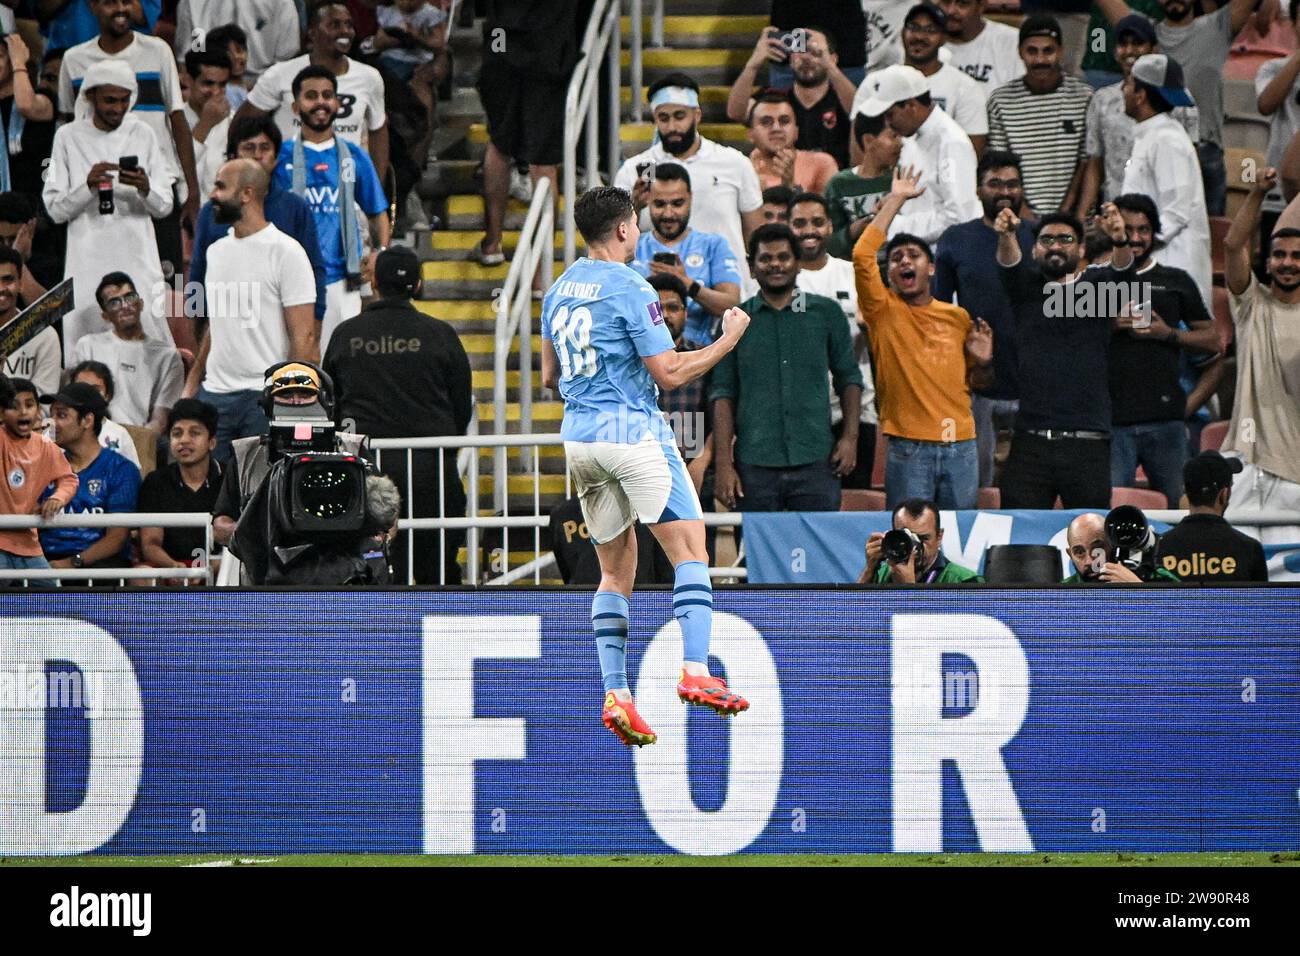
(602, 318)
(323, 191)
(108, 485)
(707, 258)
(288, 213)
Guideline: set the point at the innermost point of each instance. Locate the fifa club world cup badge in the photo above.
(656, 313)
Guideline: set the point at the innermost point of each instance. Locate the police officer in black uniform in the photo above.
(399, 373)
(1204, 548)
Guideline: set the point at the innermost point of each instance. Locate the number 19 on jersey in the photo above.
(571, 332)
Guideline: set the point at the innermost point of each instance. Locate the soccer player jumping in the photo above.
(607, 347)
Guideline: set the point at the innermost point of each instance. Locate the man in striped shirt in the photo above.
(1042, 117)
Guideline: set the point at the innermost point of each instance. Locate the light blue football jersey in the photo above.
(601, 318)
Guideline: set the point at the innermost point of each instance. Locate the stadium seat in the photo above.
(1222, 317)
(878, 464)
(1219, 226)
(1239, 98)
(1212, 436)
(1240, 166)
(862, 499)
(1138, 497)
(1249, 132)
(990, 499)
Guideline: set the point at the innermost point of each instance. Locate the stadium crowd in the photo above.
(987, 265)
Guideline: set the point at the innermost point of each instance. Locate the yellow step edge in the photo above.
(486, 378)
(700, 24)
(523, 484)
(708, 94)
(686, 60)
(484, 342)
(644, 132)
(468, 204)
(468, 239)
(464, 310)
(542, 412)
(450, 270)
(516, 557)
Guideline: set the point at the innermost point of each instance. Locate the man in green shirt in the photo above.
(1088, 548)
(927, 564)
(852, 194)
(770, 392)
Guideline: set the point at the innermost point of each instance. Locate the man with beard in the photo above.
(1202, 44)
(928, 356)
(701, 261)
(726, 194)
(1061, 444)
(853, 193)
(1085, 542)
(924, 32)
(776, 160)
(1041, 117)
(820, 274)
(770, 393)
(1108, 140)
(1164, 166)
(244, 338)
(360, 117)
(208, 112)
(962, 275)
(85, 178)
(985, 50)
(934, 145)
(1265, 427)
(926, 564)
(335, 176)
(821, 94)
(257, 138)
(1148, 404)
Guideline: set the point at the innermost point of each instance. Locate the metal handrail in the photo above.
(120, 519)
(601, 41)
(514, 315)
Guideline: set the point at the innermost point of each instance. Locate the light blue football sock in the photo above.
(609, 621)
(693, 608)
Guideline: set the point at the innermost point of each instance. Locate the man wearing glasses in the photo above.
(148, 373)
(1063, 326)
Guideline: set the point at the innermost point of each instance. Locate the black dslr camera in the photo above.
(1131, 541)
(900, 545)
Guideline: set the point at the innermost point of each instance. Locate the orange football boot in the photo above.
(625, 723)
(711, 692)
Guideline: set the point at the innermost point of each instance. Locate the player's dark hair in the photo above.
(314, 73)
(196, 60)
(778, 195)
(221, 37)
(100, 371)
(772, 232)
(914, 508)
(907, 239)
(250, 127)
(113, 278)
(818, 198)
(670, 172)
(13, 257)
(864, 125)
(16, 207)
(1060, 218)
(997, 159)
(1143, 205)
(191, 409)
(667, 282)
(598, 212)
(672, 79)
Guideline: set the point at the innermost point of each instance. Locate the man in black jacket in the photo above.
(1204, 548)
(399, 373)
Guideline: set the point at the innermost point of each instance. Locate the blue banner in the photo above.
(456, 722)
(829, 547)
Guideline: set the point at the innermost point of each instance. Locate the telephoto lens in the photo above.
(899, 545)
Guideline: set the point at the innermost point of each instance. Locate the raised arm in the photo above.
(767, 49)
(674, 369)
(1236, 244)
(1115, 10)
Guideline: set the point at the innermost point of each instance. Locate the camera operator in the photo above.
(291, 388)
(1085, 540)
(910, 553)
(1117, 549)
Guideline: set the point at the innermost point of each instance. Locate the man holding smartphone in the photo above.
(702, 261)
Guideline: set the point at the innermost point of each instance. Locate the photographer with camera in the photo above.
(910, 553)
(1117, 549)
(261, 514)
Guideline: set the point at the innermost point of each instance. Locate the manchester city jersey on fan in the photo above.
(602, 318)
(706, 258)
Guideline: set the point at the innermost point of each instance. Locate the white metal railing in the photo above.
(147, 519)
(636, 69)
(514, 315)
(582, 109)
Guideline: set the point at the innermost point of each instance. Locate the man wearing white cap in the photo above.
(109, 207)
(1165, 167)
(726, 197)
(933, 145)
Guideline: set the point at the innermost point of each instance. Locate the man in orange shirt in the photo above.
(928, 355)
(30, 462)
(773, 130)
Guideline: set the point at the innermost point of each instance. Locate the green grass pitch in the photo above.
(1015, 860)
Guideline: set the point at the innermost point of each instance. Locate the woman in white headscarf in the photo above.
(100, 242)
